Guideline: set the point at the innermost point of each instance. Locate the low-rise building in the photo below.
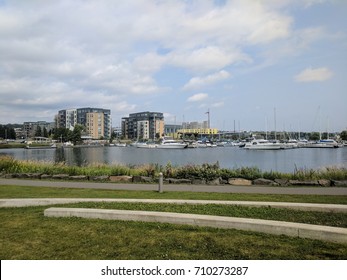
(40, 128)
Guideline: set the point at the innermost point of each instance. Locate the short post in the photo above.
(160, 182)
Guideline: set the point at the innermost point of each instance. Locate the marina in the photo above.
(283, 160)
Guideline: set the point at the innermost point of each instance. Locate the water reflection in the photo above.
(228, 157)
(59, 155)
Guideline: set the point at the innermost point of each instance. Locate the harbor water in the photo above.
(227, 157)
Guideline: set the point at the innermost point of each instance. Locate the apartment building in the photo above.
(143, 125)
(67, 118)
(95, 125)
(97, 121)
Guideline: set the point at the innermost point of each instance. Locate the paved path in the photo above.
(183, 188)
(25, 202)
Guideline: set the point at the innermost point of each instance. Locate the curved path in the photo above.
(183, 188)
(326, 233)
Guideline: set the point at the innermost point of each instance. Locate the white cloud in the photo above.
(309, 3)
(314, 75)
(198, 97)
(204, 59)
(198, 82)
(149, 62)
(218, 104)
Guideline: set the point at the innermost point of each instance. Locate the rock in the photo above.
(46, 176)
(239, 182)
(35, 175)
(264, 182)
(223, 182)
(214, 182)
(339, 183)
(99, 178)
(126, 179)
(9, 176)
(282, 182)
(22, 175)
(324, 182)
(178, 181)
(60, 176)
(78, 177)
(199, 182)
(142, 179)
(303, 183)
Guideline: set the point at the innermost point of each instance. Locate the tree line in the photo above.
(7, 132)
(66, 135)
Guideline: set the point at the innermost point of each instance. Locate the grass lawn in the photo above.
(26, 234)
(7, 191)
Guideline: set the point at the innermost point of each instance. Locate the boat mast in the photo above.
(275, 122)
(265, 127)
(154, 127)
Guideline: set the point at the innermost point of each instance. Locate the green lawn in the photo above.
(7, 191)
(26, 234)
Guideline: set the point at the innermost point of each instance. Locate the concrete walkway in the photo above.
(25, 202)
(325, 233)
(182, 188)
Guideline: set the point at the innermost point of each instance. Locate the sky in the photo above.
(253, 64)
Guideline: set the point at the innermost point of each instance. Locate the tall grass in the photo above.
(205, 171)
(10, 165)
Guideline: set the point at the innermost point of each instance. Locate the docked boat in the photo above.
(53, 146)
(262, 144)
(205, 144)
(326, 143)
(138, 144)
(171, 144)
(146, 145)
(290, 144)
(120, 144)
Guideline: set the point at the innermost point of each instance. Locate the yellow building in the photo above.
(199, 131)
(159, 127)
(95, 125)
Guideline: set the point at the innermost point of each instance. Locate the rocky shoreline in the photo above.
(146, 179)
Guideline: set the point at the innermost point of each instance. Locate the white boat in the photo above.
(120, 144)
(53, 146)
(138, 144)
(171, 144)
(204, 144)
(290, 144)
(262, 144)
(326, 143)
(146, 145)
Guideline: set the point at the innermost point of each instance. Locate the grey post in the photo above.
(160, 182)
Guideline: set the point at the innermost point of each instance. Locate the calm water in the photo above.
(228, 157)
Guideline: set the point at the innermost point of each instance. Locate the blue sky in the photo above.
(242, 60)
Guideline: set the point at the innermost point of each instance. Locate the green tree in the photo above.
(38, 131)
(61, 134)
(45, 133)
(7, 132)
(314, 136)
(343, 135)
(76, 135)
